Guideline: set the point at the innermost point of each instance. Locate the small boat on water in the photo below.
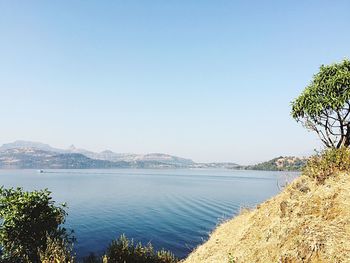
(41, 171)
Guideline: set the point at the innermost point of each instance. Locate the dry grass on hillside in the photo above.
(307, 222)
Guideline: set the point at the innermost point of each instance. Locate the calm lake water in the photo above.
(174, 209)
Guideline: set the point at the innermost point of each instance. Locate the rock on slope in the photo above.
(306, 222)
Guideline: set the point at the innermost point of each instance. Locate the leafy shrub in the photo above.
(31, 232)
(124, 250)
(328, 163)
(28, 220)
(57, 250)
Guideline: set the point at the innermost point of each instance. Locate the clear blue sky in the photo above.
(208, 80)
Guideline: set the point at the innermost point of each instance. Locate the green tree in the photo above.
(124, 250)
(324, 105)
(27, 221)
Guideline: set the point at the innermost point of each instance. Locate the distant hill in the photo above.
(289, 163)
(153, 160)
(151, 157)
(36, 155)
(31, 158)
(29, 144)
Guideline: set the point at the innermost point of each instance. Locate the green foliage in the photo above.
(324, 105)
(328, 90)
(328, 163)
(124, 250)
(57, 250)
(31, 232)
(27, 219)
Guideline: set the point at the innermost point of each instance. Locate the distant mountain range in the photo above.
(36, 155)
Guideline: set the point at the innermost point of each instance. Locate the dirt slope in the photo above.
(306, 222)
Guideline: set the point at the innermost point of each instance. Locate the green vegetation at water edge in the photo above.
(279, 164)
(31, 231)
(29, 221)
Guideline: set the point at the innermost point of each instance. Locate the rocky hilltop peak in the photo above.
(72, 147)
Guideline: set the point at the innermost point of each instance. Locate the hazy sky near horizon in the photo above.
(207, 80)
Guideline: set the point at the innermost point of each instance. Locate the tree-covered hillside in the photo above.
(279, 164)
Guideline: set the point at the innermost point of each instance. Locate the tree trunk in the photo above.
(347, 137)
